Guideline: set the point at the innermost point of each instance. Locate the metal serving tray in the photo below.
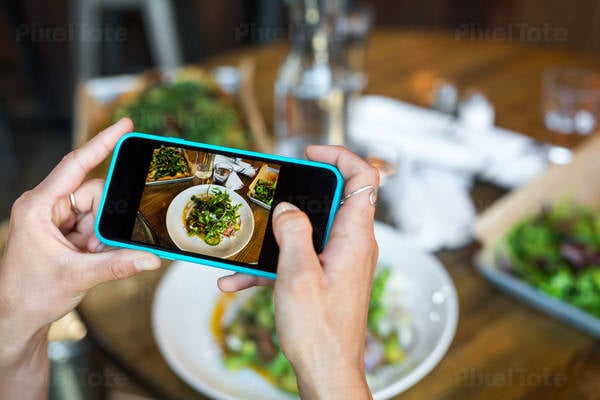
(486, 266)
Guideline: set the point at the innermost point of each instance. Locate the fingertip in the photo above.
(95, 246)
(140, 260)
(315, 151)
(284, 207)
(224, 284)
(116, 130)
(236, 282)
(289, 219)
(312, 151)
(309, 150)
(147, 262)
(126, 121)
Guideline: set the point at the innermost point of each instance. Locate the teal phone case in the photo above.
(199, 259)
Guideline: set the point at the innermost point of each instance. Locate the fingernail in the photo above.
(144, 264)
(284, 207)
(100, 248)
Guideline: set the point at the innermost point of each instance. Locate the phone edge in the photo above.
(211, 263)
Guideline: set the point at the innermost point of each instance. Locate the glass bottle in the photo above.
(314, 83)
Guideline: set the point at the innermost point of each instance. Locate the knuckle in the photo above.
(72, 157)
(118, 270)
(99, 182)
(374, 254)
(302, 282)
(22, 207)
(360, 247)
(373, 174)
(16, 208)
(97, 186)
(69, 157)
(296, 222)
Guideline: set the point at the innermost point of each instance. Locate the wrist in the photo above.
(17, 337)
(16, 350)
(343, 380)
(25, 367)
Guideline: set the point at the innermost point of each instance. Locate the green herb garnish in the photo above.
(168, 161)
(213, 215)
(264, 191)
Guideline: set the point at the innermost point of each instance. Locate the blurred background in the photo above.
(38, 70)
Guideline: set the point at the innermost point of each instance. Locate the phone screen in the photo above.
(212, 204)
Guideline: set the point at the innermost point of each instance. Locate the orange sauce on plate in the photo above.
(216, 327)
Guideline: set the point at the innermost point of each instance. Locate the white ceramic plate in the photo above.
(184, 301)
(229, 245)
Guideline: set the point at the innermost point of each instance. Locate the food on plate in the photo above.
(249, 340)
(558, 251)
(212, 216)
(389, 331)
(167, 163)
(195, 109)
(264, 191)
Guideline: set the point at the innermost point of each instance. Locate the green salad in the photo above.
(168, 162)
(212, 216)
(558, 251)
(186, 109)
(250, 339)
(264, 191)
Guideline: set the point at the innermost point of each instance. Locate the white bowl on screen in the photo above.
(228, 246)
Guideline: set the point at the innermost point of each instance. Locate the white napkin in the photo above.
(419, 133)
(439, 157)
(511, 159)
(237, 164)
(234, 182)
(431, 205)
(502, 157)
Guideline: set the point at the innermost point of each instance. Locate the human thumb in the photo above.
(115, 265)
(293, 233)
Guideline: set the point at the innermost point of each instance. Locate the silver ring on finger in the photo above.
(368, 188)
(73, 202)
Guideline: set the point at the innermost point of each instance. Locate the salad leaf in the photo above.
(558, 251)
(264, 191)
(168, 161)
(212, 216)
(186, 109)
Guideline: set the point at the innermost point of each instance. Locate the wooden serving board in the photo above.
(97, 99)
(578, 181)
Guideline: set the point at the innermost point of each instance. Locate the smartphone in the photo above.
(209, 204)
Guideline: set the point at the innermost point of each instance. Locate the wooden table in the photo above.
(502, 348)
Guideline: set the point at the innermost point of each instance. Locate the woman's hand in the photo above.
(322, 300)
(51, 259)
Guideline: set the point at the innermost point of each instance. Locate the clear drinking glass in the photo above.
(221, 172)
(204, 165)
(352, 31)
(571, 107)
(316, 82)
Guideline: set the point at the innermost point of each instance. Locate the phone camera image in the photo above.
(206, 203)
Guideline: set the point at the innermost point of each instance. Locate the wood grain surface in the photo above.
(502, 348)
